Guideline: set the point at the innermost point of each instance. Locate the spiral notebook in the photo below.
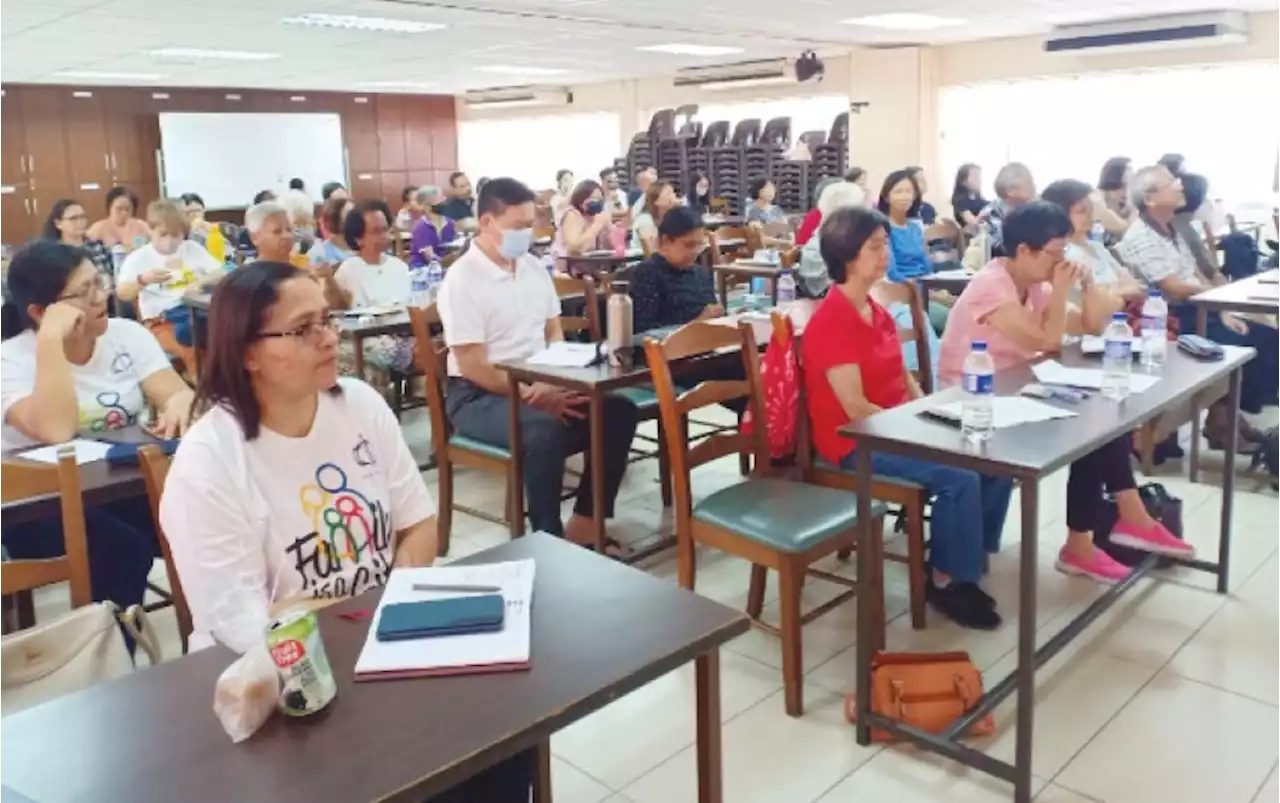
(506, 650)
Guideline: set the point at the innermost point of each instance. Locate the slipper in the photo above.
(613, 548)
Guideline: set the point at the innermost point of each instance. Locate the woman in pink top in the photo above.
(1018, 305)
(584, 224)
(120, 226)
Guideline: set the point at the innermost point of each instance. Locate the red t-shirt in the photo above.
(837, 335)
(808, 227)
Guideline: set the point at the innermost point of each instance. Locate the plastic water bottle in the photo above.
(979, 386)
(419, 287)
(1098, 233)
(117, 257)
(1155, 315)
(786, 287)
(1117, 358)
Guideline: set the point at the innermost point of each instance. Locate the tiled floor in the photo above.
(1170, 697)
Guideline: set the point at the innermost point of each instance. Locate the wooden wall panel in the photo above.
(51, 146)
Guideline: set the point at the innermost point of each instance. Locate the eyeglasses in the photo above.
(101, 287)
(310, 333)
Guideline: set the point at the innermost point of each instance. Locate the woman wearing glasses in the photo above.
(66, 369)
(68, 223)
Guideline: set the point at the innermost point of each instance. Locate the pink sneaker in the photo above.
(1156, 539)
(1101, 567)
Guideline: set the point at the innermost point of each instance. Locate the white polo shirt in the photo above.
(374, 285)
(481, 302)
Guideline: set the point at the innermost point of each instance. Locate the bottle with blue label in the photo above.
(418, 286)
(1117, 358)
(979, 386)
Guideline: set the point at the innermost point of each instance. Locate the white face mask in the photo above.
(515, 242)
(166, 245)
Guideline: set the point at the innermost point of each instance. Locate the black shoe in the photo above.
(965, 604)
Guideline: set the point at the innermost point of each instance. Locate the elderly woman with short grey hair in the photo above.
(270, 228)
(433, 231)
(811, 277)
(1015, 187)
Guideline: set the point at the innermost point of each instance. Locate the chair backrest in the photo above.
(431, 356)
(699, 340)
(777, 132)
(746, 132)
(784, 331)
(23, 480)
(886, 293)
(589, 322)
(155, 469)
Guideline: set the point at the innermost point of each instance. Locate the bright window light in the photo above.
(583, 143)
(200, 53)
(109, 75)
(515, 69)
(905, 21)
(409, 86)
(683, 49)
(353, 22)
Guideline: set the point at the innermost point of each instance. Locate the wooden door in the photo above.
(124, 136)
(13, 144)
(46, 134)
(393, 183)
(88, 154)
(391, 141)
(17, 225)
(360, 133)
(417, 133)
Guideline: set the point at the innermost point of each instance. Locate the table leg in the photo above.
(1202, 320)
(515, 476)
(1026, 640)
(357, 348)
(542, 773)
(707, 680)
(866, 647)
(722, 290)
(1193, 470)
(597, 468)
(1228, 481)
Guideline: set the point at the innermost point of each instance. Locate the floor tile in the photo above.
(1270, 791)
(1238, 650)
(906, 775)
(634, 734)
(768, 756)
(1056, 794)
(1181, 742)
(571, 785)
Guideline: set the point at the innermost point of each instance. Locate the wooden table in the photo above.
(713, 222)
(951, 281)
(595, 263)
(751, 270)
(1027, 453)
(1257, 294)
(600, 631)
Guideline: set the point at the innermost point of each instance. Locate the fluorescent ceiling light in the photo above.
(512, 69)
(353, 22)
(683, 49)
(408, 85)
(904, 21)
(743, 83)
(109, 75)
(201, 53)
(507, 104)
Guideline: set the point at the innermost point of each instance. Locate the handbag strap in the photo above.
(135, 623)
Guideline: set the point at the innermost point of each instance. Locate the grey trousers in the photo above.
(545, 444)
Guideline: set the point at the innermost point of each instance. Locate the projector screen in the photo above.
(229, 158)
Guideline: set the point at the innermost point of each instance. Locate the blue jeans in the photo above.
(968, 510)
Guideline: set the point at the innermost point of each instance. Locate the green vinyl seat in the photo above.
(787, 516)
(473, 445)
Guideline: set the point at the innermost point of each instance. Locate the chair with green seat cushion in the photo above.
(473, 445)
(771, 522)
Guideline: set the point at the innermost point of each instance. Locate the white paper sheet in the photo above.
(953, 273)
(86, 452)
(510, 645)
(1052, 372)
(566, 355)
(1010, 411)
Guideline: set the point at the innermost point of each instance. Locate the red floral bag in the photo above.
(780, 377)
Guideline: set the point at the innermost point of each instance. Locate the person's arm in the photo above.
(580, 236)
(846, 383)
(339, 289)
(1176, 289)
(50, 412)
(207, 269)
(1126, 286)
(412, 511)
(1097, 305)
(1037, 331)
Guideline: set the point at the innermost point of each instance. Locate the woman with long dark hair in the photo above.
(908, 255)
(68, 224)
(966, 196)
(585, 223)
(1115, 211)
(658, 199)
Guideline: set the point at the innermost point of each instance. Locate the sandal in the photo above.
(613, 548)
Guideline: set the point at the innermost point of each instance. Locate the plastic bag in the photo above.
(247, 693)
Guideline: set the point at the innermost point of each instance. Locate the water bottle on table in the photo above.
(786, 287)
(979, 386)
(1155, 316)
(1117, 358)
(418, 286)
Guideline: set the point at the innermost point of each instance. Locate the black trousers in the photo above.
(508, 782)
(1105, 467)
(545, 445)
(1258, 377)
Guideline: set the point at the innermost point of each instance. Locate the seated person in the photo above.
(812, 279)
(926, 213)
(635, 196)
(670, 287)
(433, 231)
(853, 370)
(371, 278)
(498, 303)
(121, 225)
(908, 255)
(1162, 258)
(1076, 199)
(762, 209)
(245, 241)
(159, 274)
(813, 218)
(1014, 187)
(66, 369)
(332, 251)
(410, 209)
(1018, 306)
(457, 207)
(585, 224)
(658, 200)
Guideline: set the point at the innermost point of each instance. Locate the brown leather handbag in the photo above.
(928, 691)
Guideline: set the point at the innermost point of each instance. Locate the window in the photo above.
(532, 149)
(1222, 118)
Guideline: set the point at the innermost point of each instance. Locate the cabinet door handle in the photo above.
(26, 204)
(35, 206)
(22, 162)
(106, 162)
(113, 160)
(31, 164)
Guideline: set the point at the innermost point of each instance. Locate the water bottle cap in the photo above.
(1119, 316)
(979, 345)
(1154, 292)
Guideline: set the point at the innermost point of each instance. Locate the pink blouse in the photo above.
(989, 290)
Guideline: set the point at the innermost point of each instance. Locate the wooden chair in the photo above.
(886, 293)
(22, 480)
(568, 287)
(774, 523)
(155, 468)
(910, 496)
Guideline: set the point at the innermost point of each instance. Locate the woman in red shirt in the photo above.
(853, 369)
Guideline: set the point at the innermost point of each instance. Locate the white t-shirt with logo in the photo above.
(108, 387)
(192, 262)
(375, 285)
(480, 302)
(254, 522)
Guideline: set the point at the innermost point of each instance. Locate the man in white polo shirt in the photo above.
(498, 303)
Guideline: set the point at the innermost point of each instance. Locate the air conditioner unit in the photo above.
(1150, 33)
(506, 97)
(738, 75)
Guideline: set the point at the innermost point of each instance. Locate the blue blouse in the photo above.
(908, 256)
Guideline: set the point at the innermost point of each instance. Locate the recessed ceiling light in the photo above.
(353, 22)
(904, 21)
(512, 69)
(201, 53)
(408, 85)
(109, 75)
(683, 49)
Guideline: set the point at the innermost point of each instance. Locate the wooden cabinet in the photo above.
(15, 215)
(417, 133)
(13, 144)
(88, 154)
(125, 138)
(46, 137)
(393, 183)
(360, 131)
(391, 140)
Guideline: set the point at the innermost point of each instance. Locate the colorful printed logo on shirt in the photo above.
(181, 279)
(348, 529)
(108, 413)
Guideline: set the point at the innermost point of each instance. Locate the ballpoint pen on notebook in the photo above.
(457, 587)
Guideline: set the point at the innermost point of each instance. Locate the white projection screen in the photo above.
(229, 158)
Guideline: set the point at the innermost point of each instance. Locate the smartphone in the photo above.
(441, 617)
